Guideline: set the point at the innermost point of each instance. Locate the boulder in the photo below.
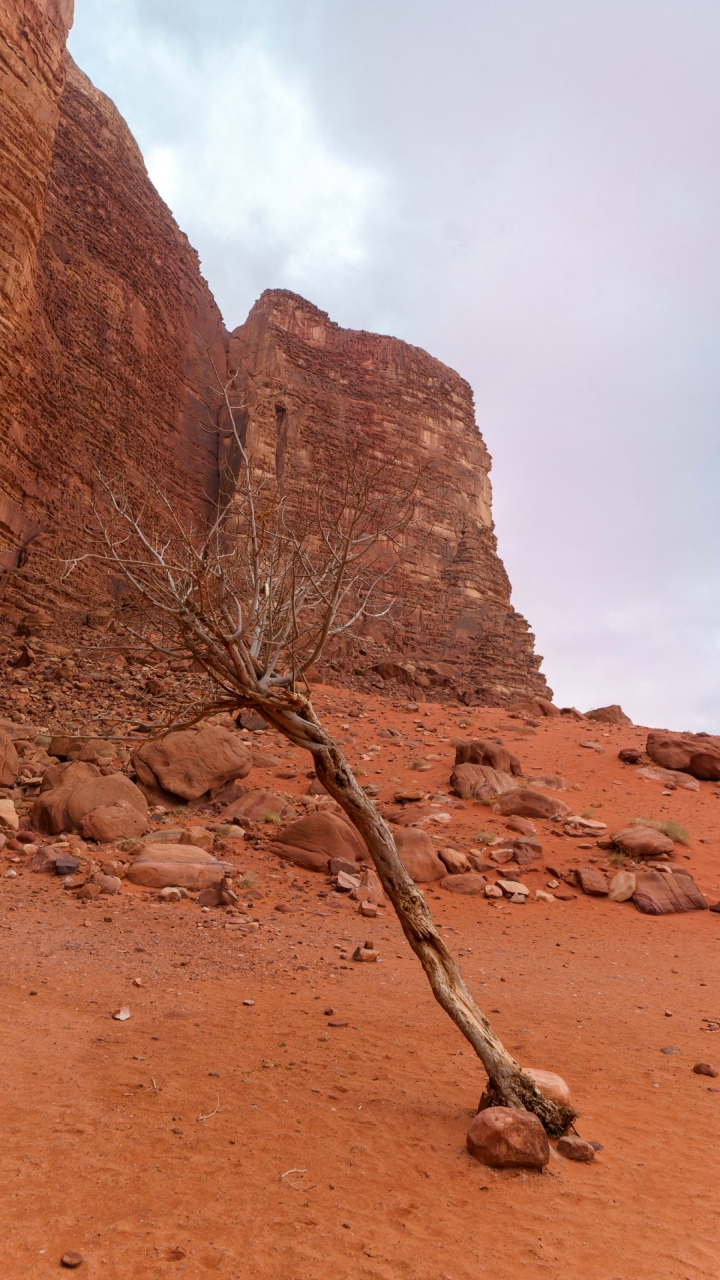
(158, 866)
(523, 802)
(659, 894)
(68, 775)
(480, 782)
(191, 762)
(622, 886)
(552, 1086)
(642, 842)
(418, 856)
(592, 882)
(522, 825)
(549, 782)
(507, 1139)
(312, 841)
(694, 753)
(613, 714)
(9, 762)
(199, 837)
(102, 791)
(573, 1147)
(469, 883)
(109, 884)
(455, 861)
(537, 707)
(479, 751)
(118, 821)
(258, 806)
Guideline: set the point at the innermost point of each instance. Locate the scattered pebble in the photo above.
(71, 1260)
(122, 1014)
(706, 1069)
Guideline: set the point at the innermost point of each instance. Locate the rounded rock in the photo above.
(507, 1139)
(574, 1148)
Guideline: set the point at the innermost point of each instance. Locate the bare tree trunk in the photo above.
(507, 1084)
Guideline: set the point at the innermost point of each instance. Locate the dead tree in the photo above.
(255, 600)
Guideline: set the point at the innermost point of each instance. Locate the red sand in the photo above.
(104, 1152)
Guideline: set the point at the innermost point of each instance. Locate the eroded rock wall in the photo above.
(110, 367)
(308, 390)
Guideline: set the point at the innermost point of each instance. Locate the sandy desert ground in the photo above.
(228, 1129)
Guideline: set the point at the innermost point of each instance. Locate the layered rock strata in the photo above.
(308, 392)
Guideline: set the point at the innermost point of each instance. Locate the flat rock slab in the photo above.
(523, 802)
(468, 882)
(658, 894)
(592, 882)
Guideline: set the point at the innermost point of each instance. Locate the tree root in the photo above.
(521, 1094)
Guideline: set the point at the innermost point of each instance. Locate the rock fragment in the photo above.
(574, 1148)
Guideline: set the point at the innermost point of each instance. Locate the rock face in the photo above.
(105, 319)
(107, 330)
(311, 388)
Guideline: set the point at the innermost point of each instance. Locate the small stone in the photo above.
(543, 896)
(89, 891)
(668, 1014)
(137, 982)
(368, 909)
(287, 908)
(669, 1050)
(705, 1069)
(71, 1260)
(11, 875)
(338, 1024)
(248, 1003)
(574, 1148)
(329, 1011)
(171, 894)
(507, 1139)
(366, 954)
(122, 1014)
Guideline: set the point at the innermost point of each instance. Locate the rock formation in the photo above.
(309, 390)
(105, 320)
(111, 347)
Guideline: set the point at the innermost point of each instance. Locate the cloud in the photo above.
(530, 190)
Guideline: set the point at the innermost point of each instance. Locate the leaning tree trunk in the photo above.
(507, 1083)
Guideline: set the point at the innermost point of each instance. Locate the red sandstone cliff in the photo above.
(309, 388)
(107, 330)
(106, 320)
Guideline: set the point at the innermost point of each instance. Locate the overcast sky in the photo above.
(529, 189)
